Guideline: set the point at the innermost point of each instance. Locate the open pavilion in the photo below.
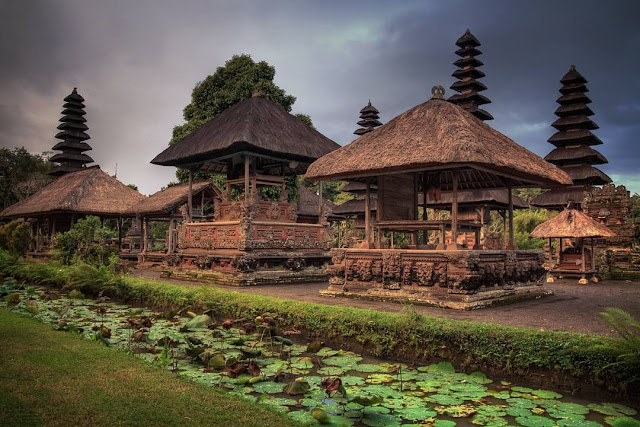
(434, 147)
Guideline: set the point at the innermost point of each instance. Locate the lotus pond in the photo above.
(255, 359)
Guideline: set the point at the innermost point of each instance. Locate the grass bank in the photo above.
(560, 357)
(54, 378)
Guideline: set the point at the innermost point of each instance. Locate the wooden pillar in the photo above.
(246, 178)
(145, 234)
(73, 220)
(320, 202)
(380, 210)
(202, 203)
(367, 215)
(584, 265)
(481, 238)
(53, 226)
(189, 198)
(505, 231)
(425, 233)
(392, 240)
(560, 250)
(593, 257)
(119, 229)
(454, 214)
(512, 243)
(550, 255)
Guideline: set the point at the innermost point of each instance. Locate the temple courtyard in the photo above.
(571, 308)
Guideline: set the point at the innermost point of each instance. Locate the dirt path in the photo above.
(572, 308)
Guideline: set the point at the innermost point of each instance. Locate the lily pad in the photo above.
(622, 422)
(535, 421)
(457, 411)
(269, 387)
(546, 394)
(613, 409)
(380, 420)
(444, 399)
(415, 414)
(442, 368)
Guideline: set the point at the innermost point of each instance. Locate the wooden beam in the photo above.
(454, 214)
(320, 202)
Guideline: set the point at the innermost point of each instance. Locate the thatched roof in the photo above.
(354, 207)
(253, 125)
(575, 154)
(496, 199)
(308, 202)
(166, 200)
(439, 136)
(571, 223)
(560, 197)
(89, 191)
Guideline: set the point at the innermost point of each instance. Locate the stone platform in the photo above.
(457, 279)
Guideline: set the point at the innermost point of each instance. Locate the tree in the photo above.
(133, 186)
(22, 174)
(238, 79)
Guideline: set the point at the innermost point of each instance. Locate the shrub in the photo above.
(86, 243)
(15, 237)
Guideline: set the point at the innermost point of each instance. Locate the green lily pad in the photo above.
(269, 387)
(366, 399)
(457, 411)
(442, 368)
(198, 322)
(546, 394)
(579, 423)
(382, 390)
(489, 420)
(520, 402)
(380, 420)
(350, 380)
(297, 387)
(522, 389)
(343, 360)
(535, 421)
(613, 409)
(338, 421)
(444, 399)
(368, 367)
(518, 411)
(444, 423)
(379, 378)
(622, 422)
(415, 414)
(572, 408)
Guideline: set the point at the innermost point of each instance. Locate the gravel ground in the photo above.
(572, 308)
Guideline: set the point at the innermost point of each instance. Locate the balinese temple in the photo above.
(574, 141)
(369, 119)
(468, 86)
(436, 147)
(73, 136)
(74, 195)
(253, 239)
(78, 191)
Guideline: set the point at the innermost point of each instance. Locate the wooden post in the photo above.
(380, 210)
(504, 229)
(425, 233)
(320, 202)
(512, 244)
(145, 234)
(246, 179)
(584, 266)
(202, 203)
(454, 214)
(593, 257)
(367, 215)
(119, 229)
(189, 197)
(550, 255)
(53, 226)
(481, 239)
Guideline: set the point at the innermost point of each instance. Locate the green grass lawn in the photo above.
(57, 379)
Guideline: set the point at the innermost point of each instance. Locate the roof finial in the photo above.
(256, 92)
(437, 92)
(573, 67)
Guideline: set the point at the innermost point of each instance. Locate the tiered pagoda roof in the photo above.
(369, 116)
(468, 74)
(574, 140)
(72, 133)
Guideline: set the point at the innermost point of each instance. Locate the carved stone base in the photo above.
(454, 279)
(247, 268)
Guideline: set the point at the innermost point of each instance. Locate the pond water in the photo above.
(254, 359)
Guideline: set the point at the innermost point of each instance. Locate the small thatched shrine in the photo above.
(577, 256)
(170, 205)
(574, 141)
(253, 238)
(74, 195)
(434, 147)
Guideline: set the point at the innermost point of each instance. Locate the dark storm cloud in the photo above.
(136, 63)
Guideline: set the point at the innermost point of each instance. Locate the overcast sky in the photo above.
(136, 62)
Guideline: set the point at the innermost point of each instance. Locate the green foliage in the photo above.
(133, 186)
(21, 174)
(629, 330)
(506, 349)
(238, 79)
(86, 242)
(306, 119)
(524, 221)
(15, 237)
(331, 190)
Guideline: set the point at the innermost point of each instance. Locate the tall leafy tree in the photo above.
(238, 79)
(21, 174)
